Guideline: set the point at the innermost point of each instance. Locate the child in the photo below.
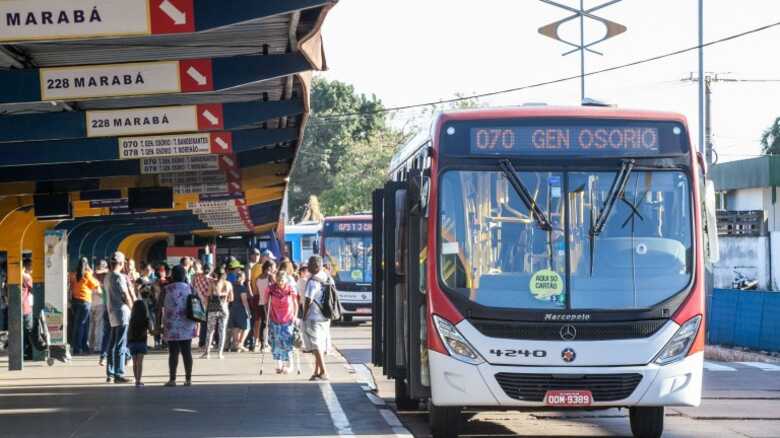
(137, 333)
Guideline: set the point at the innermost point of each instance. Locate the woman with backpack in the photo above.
(282, 305)
(316, 327)
(178, 328)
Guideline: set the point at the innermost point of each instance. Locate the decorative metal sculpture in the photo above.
(551, 31)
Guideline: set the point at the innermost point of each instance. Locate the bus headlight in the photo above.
(456, 344)
(680, 344)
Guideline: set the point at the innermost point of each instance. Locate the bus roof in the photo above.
(303, 228)
(353, 218)
(561, 111)
(424, 135)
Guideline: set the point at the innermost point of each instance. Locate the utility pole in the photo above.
(709, 78)
(702, 147)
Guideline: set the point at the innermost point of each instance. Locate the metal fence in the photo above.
(745, 318)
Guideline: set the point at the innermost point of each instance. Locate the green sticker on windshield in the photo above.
(547, 285)
(357, 275)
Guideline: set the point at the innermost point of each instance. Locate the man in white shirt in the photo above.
(316, 325)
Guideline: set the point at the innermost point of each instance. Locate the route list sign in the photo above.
(31, 20)
(131, 148)
(180, 164)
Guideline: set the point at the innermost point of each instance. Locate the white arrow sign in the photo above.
(222, 144)
(211, 117)
(172, 11)
(197, 76)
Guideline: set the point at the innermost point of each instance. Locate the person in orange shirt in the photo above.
(81, 302)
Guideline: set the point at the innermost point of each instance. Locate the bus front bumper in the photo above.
(455, 383)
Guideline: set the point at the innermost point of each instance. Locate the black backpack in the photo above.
(331, 307)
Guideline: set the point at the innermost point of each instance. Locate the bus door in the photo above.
(415, 238)
(399, 296)
(377, 264)
(386, 281)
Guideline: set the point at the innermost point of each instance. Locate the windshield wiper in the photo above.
(615, 191)
(511, 174)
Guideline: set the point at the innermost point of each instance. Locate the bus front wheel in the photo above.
(647, 421)
(444, 420)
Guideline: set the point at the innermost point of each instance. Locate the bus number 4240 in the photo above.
(518, 353)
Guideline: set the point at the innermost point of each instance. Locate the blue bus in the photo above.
(302, 240)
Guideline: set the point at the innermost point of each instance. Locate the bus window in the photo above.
(491, 249)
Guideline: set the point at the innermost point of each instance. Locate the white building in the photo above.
(748, 221)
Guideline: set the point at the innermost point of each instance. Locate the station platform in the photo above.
(228, 398)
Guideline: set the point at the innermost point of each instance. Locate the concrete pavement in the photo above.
(229, 398)
(739, 400)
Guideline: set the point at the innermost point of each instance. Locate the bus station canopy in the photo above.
(207, 97)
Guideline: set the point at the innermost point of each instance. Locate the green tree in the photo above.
(365, 170)
(770, 139)
(331, 130)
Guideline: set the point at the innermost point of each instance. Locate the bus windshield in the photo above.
(493, 252)
(349, 258)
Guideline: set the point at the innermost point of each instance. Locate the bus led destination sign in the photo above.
(348, 227)
(571, 140)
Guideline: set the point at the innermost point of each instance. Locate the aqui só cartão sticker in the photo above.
(547, 285)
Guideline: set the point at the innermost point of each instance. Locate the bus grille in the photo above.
(532, 387)
(586, 331)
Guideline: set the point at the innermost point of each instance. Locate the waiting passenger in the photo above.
(138, 332)
(179, 330)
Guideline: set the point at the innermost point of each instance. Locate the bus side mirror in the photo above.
(315, 246)
(710, 223)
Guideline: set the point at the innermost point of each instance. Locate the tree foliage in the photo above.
(365, 170)
(770, 139)
(347, 148)
(329, 137)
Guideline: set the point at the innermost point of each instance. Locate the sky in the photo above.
(413, 51)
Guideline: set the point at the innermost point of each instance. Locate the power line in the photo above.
(553, 81)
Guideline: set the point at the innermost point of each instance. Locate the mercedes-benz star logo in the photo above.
(568, 332)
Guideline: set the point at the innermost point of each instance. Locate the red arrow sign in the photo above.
(196, 75)
(210, 117)
(221, 142)
(172, 16)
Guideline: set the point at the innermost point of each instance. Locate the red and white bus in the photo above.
(345, 245)
(543, 258)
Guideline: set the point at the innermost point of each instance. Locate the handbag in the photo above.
(297, 337)
(195, 310)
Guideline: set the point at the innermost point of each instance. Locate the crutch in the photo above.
(262, 350)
